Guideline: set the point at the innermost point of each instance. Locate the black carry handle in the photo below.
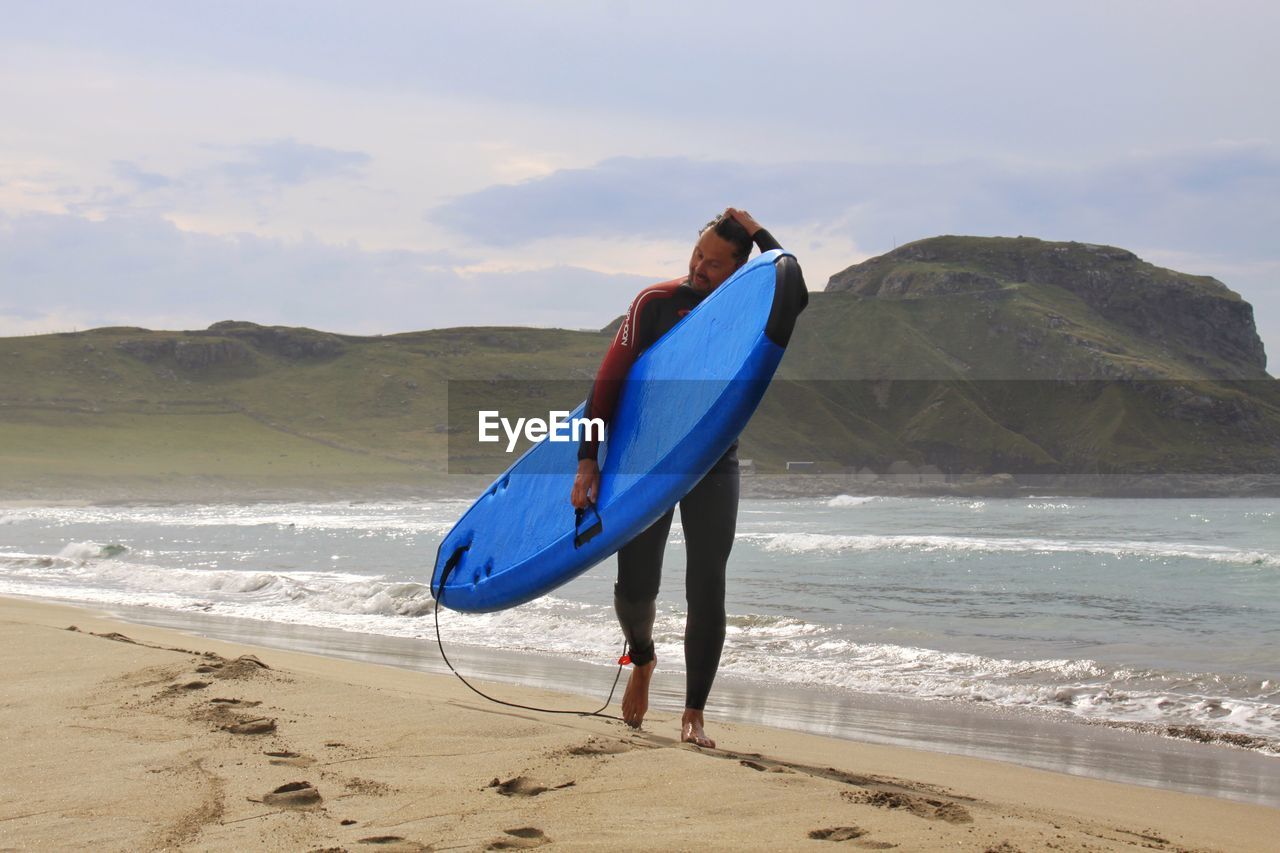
(595, 525)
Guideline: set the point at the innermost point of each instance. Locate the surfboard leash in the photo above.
(599, 712)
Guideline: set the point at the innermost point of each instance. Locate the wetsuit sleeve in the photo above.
(603, 397)
(765, 241)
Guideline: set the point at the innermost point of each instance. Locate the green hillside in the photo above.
(246, 405)
(1000, 308)
(981, 355)
(974, 355)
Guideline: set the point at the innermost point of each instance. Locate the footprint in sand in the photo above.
(370, 787)
(295, 795)
(222, 713)
(521, 838)
(394, 844)
(849, 833)
(523, 786)
(1148, 835)
(178, 689)
(245, 666)
(289, 759)
(256, 726)
(924, 807)
(837, 833)
(597, 746)
(117, 636)
(520, 786)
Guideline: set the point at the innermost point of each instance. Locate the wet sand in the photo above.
(123, 736)
(1026, 737)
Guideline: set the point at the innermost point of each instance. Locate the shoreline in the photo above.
(128, 736)
(127, 491)
(1021, 737)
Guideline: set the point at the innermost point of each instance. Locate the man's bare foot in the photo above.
(691, 730)
(635, 701)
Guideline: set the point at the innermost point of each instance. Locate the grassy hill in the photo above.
(996, 354)
(974, 355)
(250, 406)
(995, 307)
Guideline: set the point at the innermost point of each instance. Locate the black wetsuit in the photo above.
(708, 513)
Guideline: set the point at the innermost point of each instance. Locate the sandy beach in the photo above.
(127, 737)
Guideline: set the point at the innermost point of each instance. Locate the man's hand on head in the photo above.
(744, 219)
(586, 484)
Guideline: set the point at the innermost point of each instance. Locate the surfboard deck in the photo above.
(685, 400)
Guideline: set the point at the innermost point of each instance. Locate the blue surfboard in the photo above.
(684, 402)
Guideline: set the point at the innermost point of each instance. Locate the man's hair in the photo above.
(730, 230)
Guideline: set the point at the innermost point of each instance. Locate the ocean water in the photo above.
(1147, 614)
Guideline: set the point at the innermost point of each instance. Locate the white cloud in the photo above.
(140, 178)
(599, 137)
(76, 272)
(289, 162)
(1215, 196)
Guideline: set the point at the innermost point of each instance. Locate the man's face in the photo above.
(712, 262)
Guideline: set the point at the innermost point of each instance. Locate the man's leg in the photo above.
(639, 575)
(709, 515)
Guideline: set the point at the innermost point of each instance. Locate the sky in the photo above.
(381, 167)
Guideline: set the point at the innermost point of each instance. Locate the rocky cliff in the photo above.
(1194, 319)
(984, 355)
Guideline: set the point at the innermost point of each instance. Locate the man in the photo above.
(708, 513)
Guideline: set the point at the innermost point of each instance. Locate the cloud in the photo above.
(143, 180)
(648, 198)
(985, 74)
(62, 270)
(1212, 198)
(244, 182)
(1211, 204)
(290, 163)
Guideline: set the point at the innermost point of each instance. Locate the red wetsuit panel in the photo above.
(652, 313)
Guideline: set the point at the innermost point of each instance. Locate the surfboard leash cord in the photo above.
(599, 712)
